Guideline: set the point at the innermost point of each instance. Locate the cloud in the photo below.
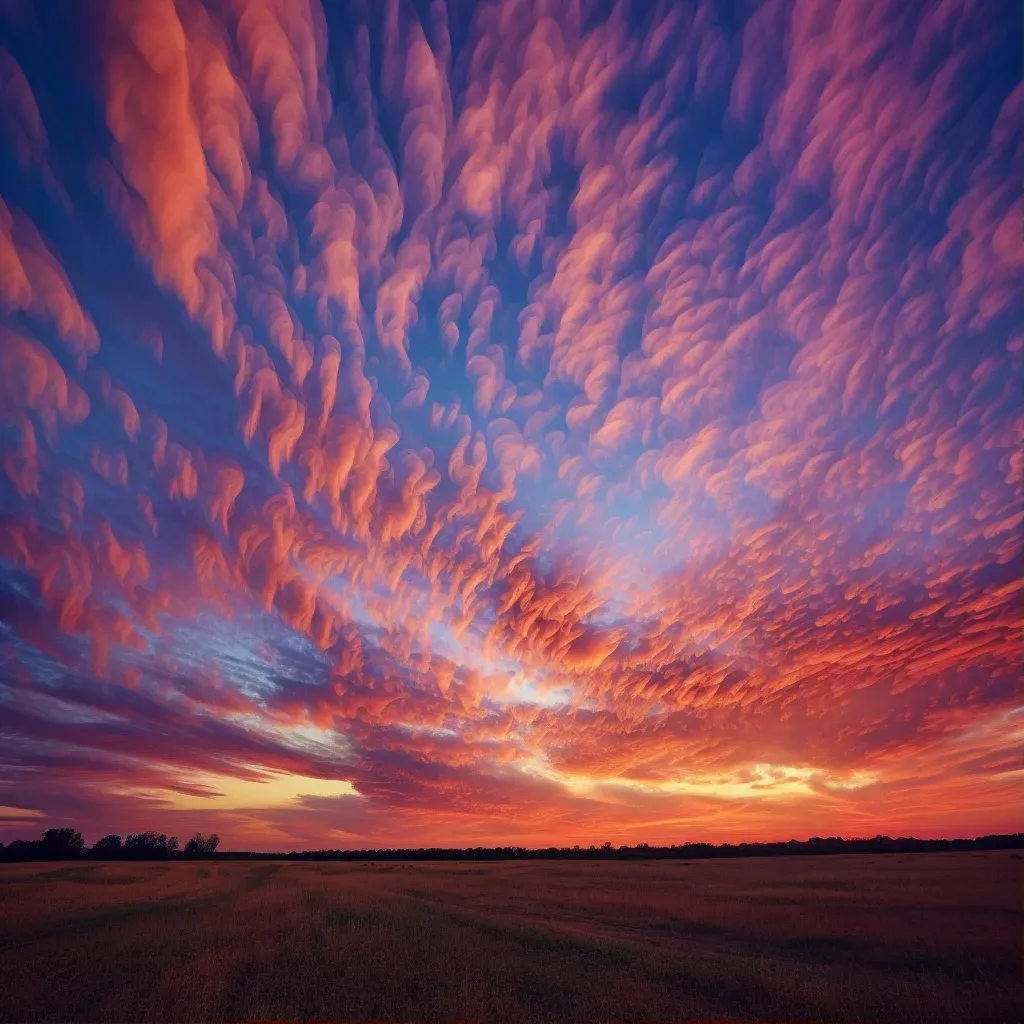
(36, 283)
(147, 85)
(32, 379)
(282, 48)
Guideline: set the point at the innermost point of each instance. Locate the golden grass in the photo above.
(917, 938)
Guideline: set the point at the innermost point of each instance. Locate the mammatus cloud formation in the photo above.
(521, 422)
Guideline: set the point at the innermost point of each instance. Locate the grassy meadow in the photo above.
(916, 938)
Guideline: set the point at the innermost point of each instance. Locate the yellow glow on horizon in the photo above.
(232, 794)
(760, 781)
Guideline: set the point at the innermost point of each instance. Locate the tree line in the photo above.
(644, 851)
(67, 844)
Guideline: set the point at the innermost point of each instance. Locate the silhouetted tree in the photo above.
(23, 849)
(149, 845)
(108, 846)
(201, 846)
(62, 844)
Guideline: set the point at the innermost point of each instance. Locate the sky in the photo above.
(525, 422)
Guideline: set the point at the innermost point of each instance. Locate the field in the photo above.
(918, 938)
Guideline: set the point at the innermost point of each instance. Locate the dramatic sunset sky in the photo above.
(526, 421)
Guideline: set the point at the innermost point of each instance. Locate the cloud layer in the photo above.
(539, 422)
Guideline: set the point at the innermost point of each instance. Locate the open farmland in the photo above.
(928, 938)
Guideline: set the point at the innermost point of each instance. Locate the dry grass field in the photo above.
(918, 938)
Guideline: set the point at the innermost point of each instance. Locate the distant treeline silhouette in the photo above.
(67, 844)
